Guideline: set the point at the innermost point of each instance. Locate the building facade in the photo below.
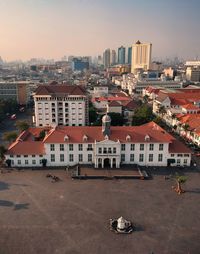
(121, 55)
(141, 56)
(113, 57)
(61, 105)
(106, 58)
(106, 146)
(17, 90)
(129, 55)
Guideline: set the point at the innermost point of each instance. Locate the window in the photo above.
(186, 155)
(19, 162)
(141, 147)
(180, 155)
(25, 156)
(172, 155)
(26, 162)
(109, 150)
(100, 150)
(185, 161)
(151, 157)
(178, 161)
(160, 147)
(151, 147)
(80, 157)
(33, 162)
(89, 147)
(18, 156)
(104, 150)
(71, 157)
(33, 155)
(131, 157)
(41, 155)
(62, 157)
(11, 156)
(71, 147)
(114, 150)
(160, 157)
(61, 147)
(123, 147)
(80, 147)
(141, 157)
(122, 157)
(52, 147)
(89, 157)
(132, 147)
(52, 157)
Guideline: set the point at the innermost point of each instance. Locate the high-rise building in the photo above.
(60, 105)
(141, 56)
(121, 55)
(113, 57)
(80, 64)
(106, 58)
(129, 55)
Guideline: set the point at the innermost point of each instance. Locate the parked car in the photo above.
(13, 117)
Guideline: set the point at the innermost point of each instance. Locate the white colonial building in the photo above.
(60, 105)
(145, 145)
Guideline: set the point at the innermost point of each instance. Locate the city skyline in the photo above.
(52, 29)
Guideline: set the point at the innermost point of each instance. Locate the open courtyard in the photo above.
(72, 216)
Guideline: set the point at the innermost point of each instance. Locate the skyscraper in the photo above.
(113, 57)
(141, 56)
(129, 55)
(106, 58)
(121, 55)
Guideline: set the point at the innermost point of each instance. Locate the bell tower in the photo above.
(106, 123)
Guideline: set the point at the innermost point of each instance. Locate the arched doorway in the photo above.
(106, 162)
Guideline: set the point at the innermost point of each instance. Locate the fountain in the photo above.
(121, 225)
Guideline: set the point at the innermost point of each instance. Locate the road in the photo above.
(9, 125)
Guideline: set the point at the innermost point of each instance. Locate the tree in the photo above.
(2, 151)
(179, 181)
(44, 162)
(162, 110)
(142, 115)
(22, 125)
(146, 98)
(42, 135)
(116, 119)
(92, 113)
(186, 127)
(10, 136)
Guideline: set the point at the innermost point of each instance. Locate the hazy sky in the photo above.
(54, 28)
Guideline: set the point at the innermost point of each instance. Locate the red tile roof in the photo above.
(137, 134)
(177, 147)
(60, 89)
(26, 148)
(114, 104)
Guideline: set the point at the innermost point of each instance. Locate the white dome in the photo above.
(106, 118)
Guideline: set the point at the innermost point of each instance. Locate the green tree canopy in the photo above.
(2, 151)
(142, 115)
(22, 125)
(10, 136)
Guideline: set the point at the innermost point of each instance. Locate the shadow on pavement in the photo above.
(6, 203)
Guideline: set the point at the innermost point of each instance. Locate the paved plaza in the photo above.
(72, 216)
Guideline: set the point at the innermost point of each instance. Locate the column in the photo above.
(102, 162)
(111, 162)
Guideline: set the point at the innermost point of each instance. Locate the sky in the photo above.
(54, 28)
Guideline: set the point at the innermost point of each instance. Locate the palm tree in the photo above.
(162, 110)
(179, 181)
